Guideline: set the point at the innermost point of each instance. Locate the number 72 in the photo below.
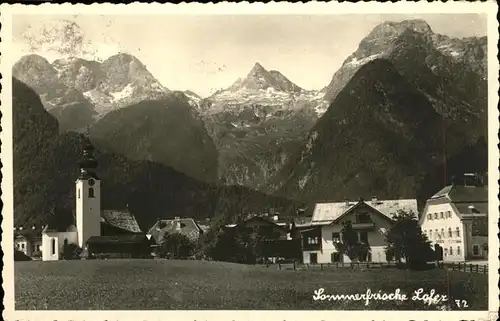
(461, 303)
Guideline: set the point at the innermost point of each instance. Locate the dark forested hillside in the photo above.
(165, 131)
(381, 136)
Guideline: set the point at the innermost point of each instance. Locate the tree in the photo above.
(176, 246)
(350, 244)
(405, 240)
(71, 252)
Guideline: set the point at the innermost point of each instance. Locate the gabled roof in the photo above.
(187, 227)
(327, 213)
(121, 219)
(28, 234)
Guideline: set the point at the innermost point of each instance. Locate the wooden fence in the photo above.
(464, 267)
(467, 267)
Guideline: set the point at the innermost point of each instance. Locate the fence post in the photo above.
(294, 268)
(477, 268)
(321, 265)
(279, 266)
(484, 269)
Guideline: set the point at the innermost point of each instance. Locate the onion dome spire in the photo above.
(88, 163)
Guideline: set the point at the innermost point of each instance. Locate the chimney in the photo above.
(177, 222)
(374, 200)
(472, 209)
(275, 217)
(346, 202)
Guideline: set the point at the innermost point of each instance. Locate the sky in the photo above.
(205, 53)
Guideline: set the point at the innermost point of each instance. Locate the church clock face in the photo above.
(91, 182)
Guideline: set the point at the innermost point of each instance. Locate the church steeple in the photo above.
(88, 163)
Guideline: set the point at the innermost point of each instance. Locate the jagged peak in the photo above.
(257, 68)
(393, 28)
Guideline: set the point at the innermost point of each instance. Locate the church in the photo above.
(99, 233)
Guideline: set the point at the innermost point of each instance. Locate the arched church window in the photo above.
(53, 246)
(91, 192)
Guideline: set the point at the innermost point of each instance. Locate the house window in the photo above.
(458, 250)
(450, 233)
(91, 192)
(451, 250)
(363, 237)
(441, 214)
(448, 214)
(335, 257)
(475, 249)
(33, 248)
(65, 241)
(430, 234)
(445, 252)
(53, 246)
(429, 216)
(442, 232)
(458, 231)
(363, 218)
(22, 246)
(335, 237)
(313, 240)
(437, 233)
(313, 258)
(435, 216)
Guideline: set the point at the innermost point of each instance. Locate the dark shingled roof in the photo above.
(29, 234)
(121, 219)
(463, 194)
(125, 238)
(188, 227)
(470, 202)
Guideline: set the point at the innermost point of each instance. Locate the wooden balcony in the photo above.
(363, 225)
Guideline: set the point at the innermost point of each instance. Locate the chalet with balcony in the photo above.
(370, 219)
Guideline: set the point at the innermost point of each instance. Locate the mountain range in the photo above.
(46, 164)
(405, 103)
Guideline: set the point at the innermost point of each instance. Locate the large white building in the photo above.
(88, 220)
(370, 219)
(456, 219)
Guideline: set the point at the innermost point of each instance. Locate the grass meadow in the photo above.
(202, 285)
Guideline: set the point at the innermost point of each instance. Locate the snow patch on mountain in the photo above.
(355, 62)
(122, 94)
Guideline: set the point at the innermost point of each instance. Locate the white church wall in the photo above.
(53, 243)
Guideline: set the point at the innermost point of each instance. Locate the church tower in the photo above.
(88, 197)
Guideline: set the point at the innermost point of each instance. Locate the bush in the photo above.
(36, 254)
(71, 252)
(20, 256)
(176, 246)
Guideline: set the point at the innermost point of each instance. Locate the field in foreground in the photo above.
(169, 284)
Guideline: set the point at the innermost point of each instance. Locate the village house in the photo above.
(97, 232)
(280, 235)
(456, 218)
(370, 219)
(28, 241)
(185, 226)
